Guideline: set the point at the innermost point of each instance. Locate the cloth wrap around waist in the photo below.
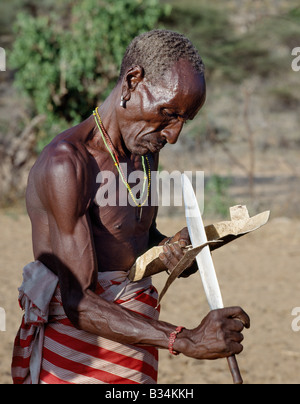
(45, 320)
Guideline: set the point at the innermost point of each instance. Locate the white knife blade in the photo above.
(204, 260)
(198, 237)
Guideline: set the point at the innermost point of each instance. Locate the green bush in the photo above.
(68, 64)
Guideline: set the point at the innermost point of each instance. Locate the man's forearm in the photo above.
(218, 335)
(111, 321)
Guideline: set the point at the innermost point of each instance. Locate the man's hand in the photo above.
(182, 237)
(218, 336)
(174, 252)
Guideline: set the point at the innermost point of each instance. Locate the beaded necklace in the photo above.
(108, 144)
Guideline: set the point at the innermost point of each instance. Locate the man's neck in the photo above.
(110, 126)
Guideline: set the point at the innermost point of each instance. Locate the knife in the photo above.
(204, 260)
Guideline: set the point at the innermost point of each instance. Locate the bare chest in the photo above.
(121, 212)
(120, 234)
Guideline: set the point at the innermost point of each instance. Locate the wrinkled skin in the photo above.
(76, 238)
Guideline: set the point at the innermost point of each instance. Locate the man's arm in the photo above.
(66, 197)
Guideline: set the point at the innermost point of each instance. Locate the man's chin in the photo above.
(141, 151)
(144, 150)
(156, 148)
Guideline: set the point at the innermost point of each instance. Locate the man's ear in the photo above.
(131, 80)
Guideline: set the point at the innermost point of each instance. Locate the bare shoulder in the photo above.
(61, 175)
(64, 158)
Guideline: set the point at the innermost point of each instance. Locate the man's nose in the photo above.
(171, 133)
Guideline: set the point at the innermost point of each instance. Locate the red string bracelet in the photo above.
(172, 339)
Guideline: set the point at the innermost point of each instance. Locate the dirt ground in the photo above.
(259, 272)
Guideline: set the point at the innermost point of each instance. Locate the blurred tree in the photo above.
(9, 10)
(67, 62)
(227, 55)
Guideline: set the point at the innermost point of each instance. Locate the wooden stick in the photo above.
(234, 369)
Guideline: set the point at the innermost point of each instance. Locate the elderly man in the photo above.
(85, 322)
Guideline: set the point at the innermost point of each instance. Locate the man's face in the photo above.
(155, 114)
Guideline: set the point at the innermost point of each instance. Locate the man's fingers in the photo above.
(171, 255)
(168, 257)
(234, 336)
(182, 237)
(173, 252)
(235, 325)
(176, 251)
(239, 314)
(235, 348)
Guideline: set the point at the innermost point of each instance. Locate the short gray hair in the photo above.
(156, 52)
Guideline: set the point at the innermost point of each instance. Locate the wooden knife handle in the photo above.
(234, 369)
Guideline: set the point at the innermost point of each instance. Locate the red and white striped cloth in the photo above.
(48, 349)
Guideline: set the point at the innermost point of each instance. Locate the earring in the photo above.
(123, 102)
